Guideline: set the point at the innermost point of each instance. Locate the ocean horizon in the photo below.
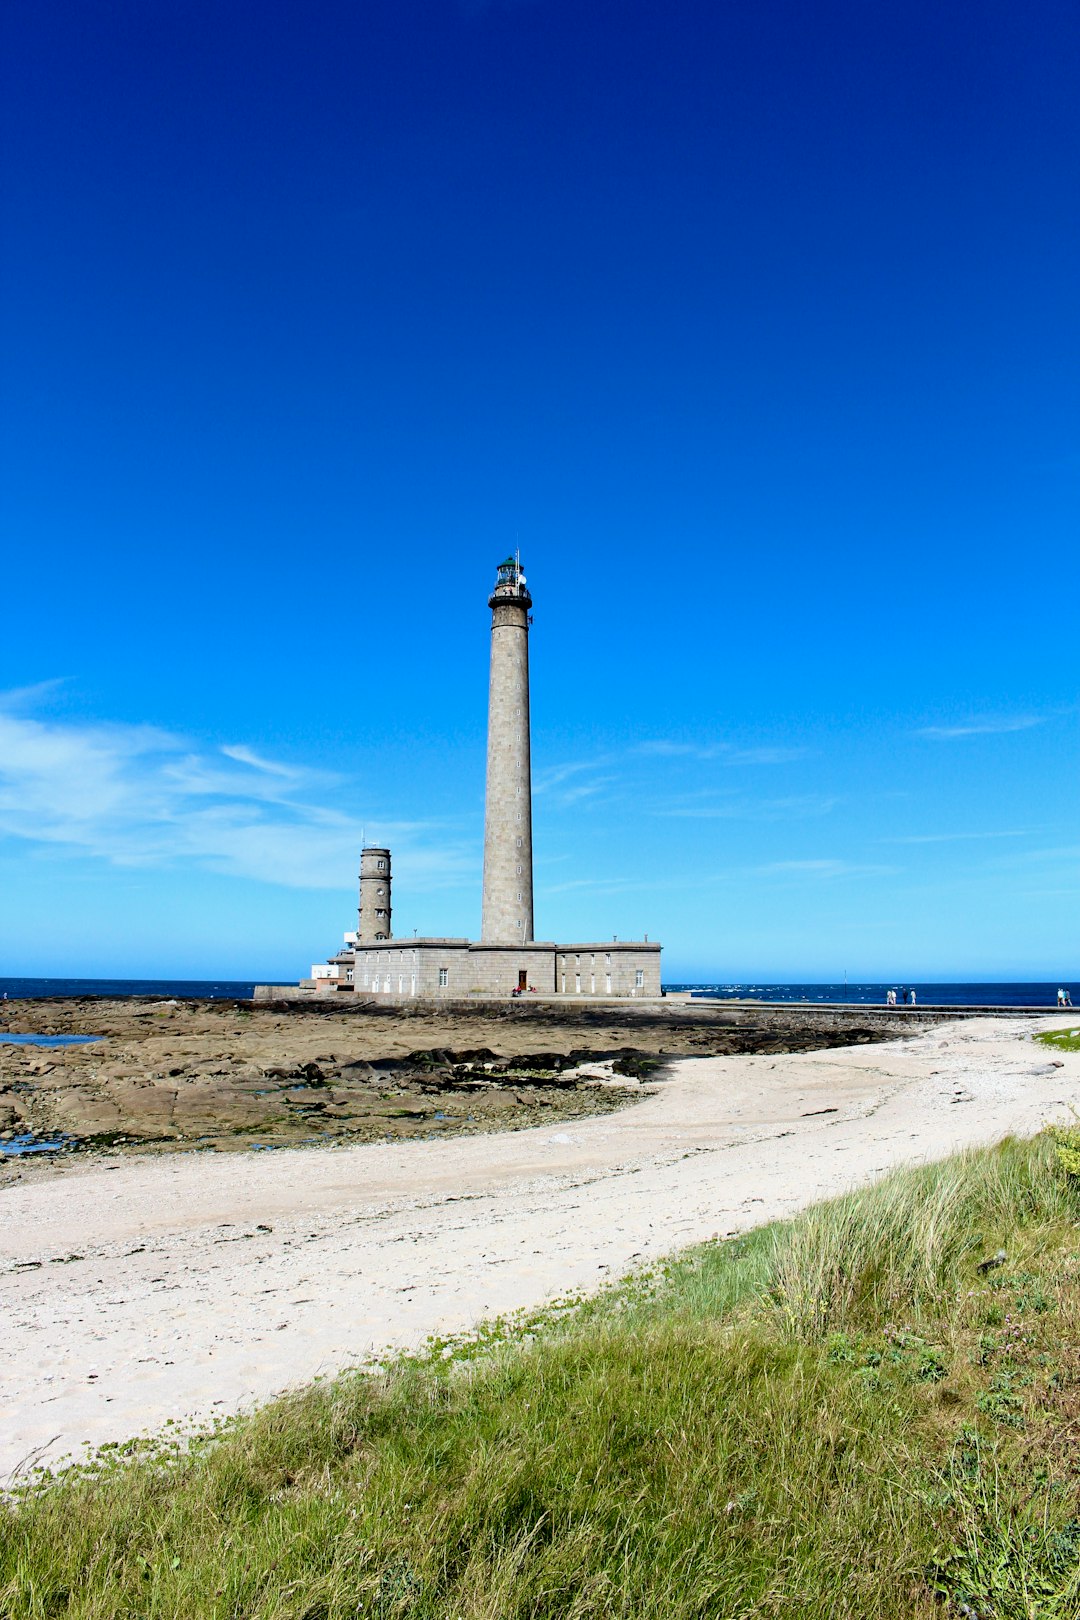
(932, 992)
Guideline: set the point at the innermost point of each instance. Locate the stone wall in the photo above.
(445, 969)
(453, 968)
(630, 968)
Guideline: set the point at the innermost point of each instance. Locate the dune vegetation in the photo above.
(869, 1411)
(1061, 1040)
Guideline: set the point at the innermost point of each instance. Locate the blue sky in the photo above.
(754, 324)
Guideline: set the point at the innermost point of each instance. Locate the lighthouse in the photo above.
(507, 960)
(507, 908)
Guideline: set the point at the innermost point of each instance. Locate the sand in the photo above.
(192, 1286)
(170, 1075)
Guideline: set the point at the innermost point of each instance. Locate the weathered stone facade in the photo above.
(454, 969)
(375, 908)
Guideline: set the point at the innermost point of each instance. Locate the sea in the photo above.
(926, 992)
(162, 989)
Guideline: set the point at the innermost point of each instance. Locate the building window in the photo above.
(639, 978)
(444, 978)
(577, 984)
(382, 868)
(592, 984)
(607, 958)
(607, 983)
(349, 975)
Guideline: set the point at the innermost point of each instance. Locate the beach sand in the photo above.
(192, 1286)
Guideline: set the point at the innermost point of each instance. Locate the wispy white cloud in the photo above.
(573, 781)
(1058, 852)
(672, 748)
(17, 697)
(136, 795)
(669, 748)
(767, 755)
(584, 790)
(951, 837)
(984, 726)
(554, 776)
(598, 885)
(248, 756)
(822, 868)
(793, 807)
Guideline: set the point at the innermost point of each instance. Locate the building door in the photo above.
(523, 979)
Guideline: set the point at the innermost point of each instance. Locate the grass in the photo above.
(840, 1416)
(1061, 1040)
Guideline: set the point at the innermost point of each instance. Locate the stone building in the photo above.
(506, 960)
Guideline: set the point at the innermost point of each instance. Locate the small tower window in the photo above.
(444, 978)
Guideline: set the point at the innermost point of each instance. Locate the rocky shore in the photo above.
(217, 1076)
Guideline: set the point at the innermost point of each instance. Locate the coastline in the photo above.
(193, 1286)
(166, 1077)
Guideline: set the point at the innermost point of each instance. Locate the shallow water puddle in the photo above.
(8, 1039)
(16, 1147)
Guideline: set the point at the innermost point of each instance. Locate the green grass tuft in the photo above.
(840, 1416)
(1060, 1040)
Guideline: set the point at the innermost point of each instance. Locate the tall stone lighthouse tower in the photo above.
(508, 881)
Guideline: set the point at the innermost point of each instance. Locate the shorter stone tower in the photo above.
(374, 895)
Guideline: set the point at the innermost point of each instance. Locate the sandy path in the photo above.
(153, 1289)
